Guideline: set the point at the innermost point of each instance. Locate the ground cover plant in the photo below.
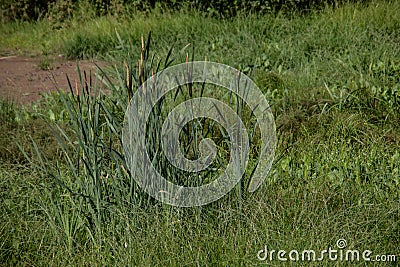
(332, 78)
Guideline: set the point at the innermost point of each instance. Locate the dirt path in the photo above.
(22, 79)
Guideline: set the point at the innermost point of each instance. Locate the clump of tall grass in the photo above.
(93, 171)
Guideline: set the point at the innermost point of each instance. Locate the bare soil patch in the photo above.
(24, 79)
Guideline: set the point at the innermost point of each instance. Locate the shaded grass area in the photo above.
(332, 79)
(19, 125)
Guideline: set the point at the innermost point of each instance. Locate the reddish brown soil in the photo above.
(22, 79)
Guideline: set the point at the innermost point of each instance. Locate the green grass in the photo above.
(333, 81)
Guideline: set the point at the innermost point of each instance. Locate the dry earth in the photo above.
(22, 79)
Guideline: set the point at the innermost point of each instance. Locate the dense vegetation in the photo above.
(61, 9)
(332, 77)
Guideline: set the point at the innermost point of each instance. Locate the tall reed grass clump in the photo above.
(93, 171)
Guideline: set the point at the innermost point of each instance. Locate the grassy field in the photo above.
(333, 81)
